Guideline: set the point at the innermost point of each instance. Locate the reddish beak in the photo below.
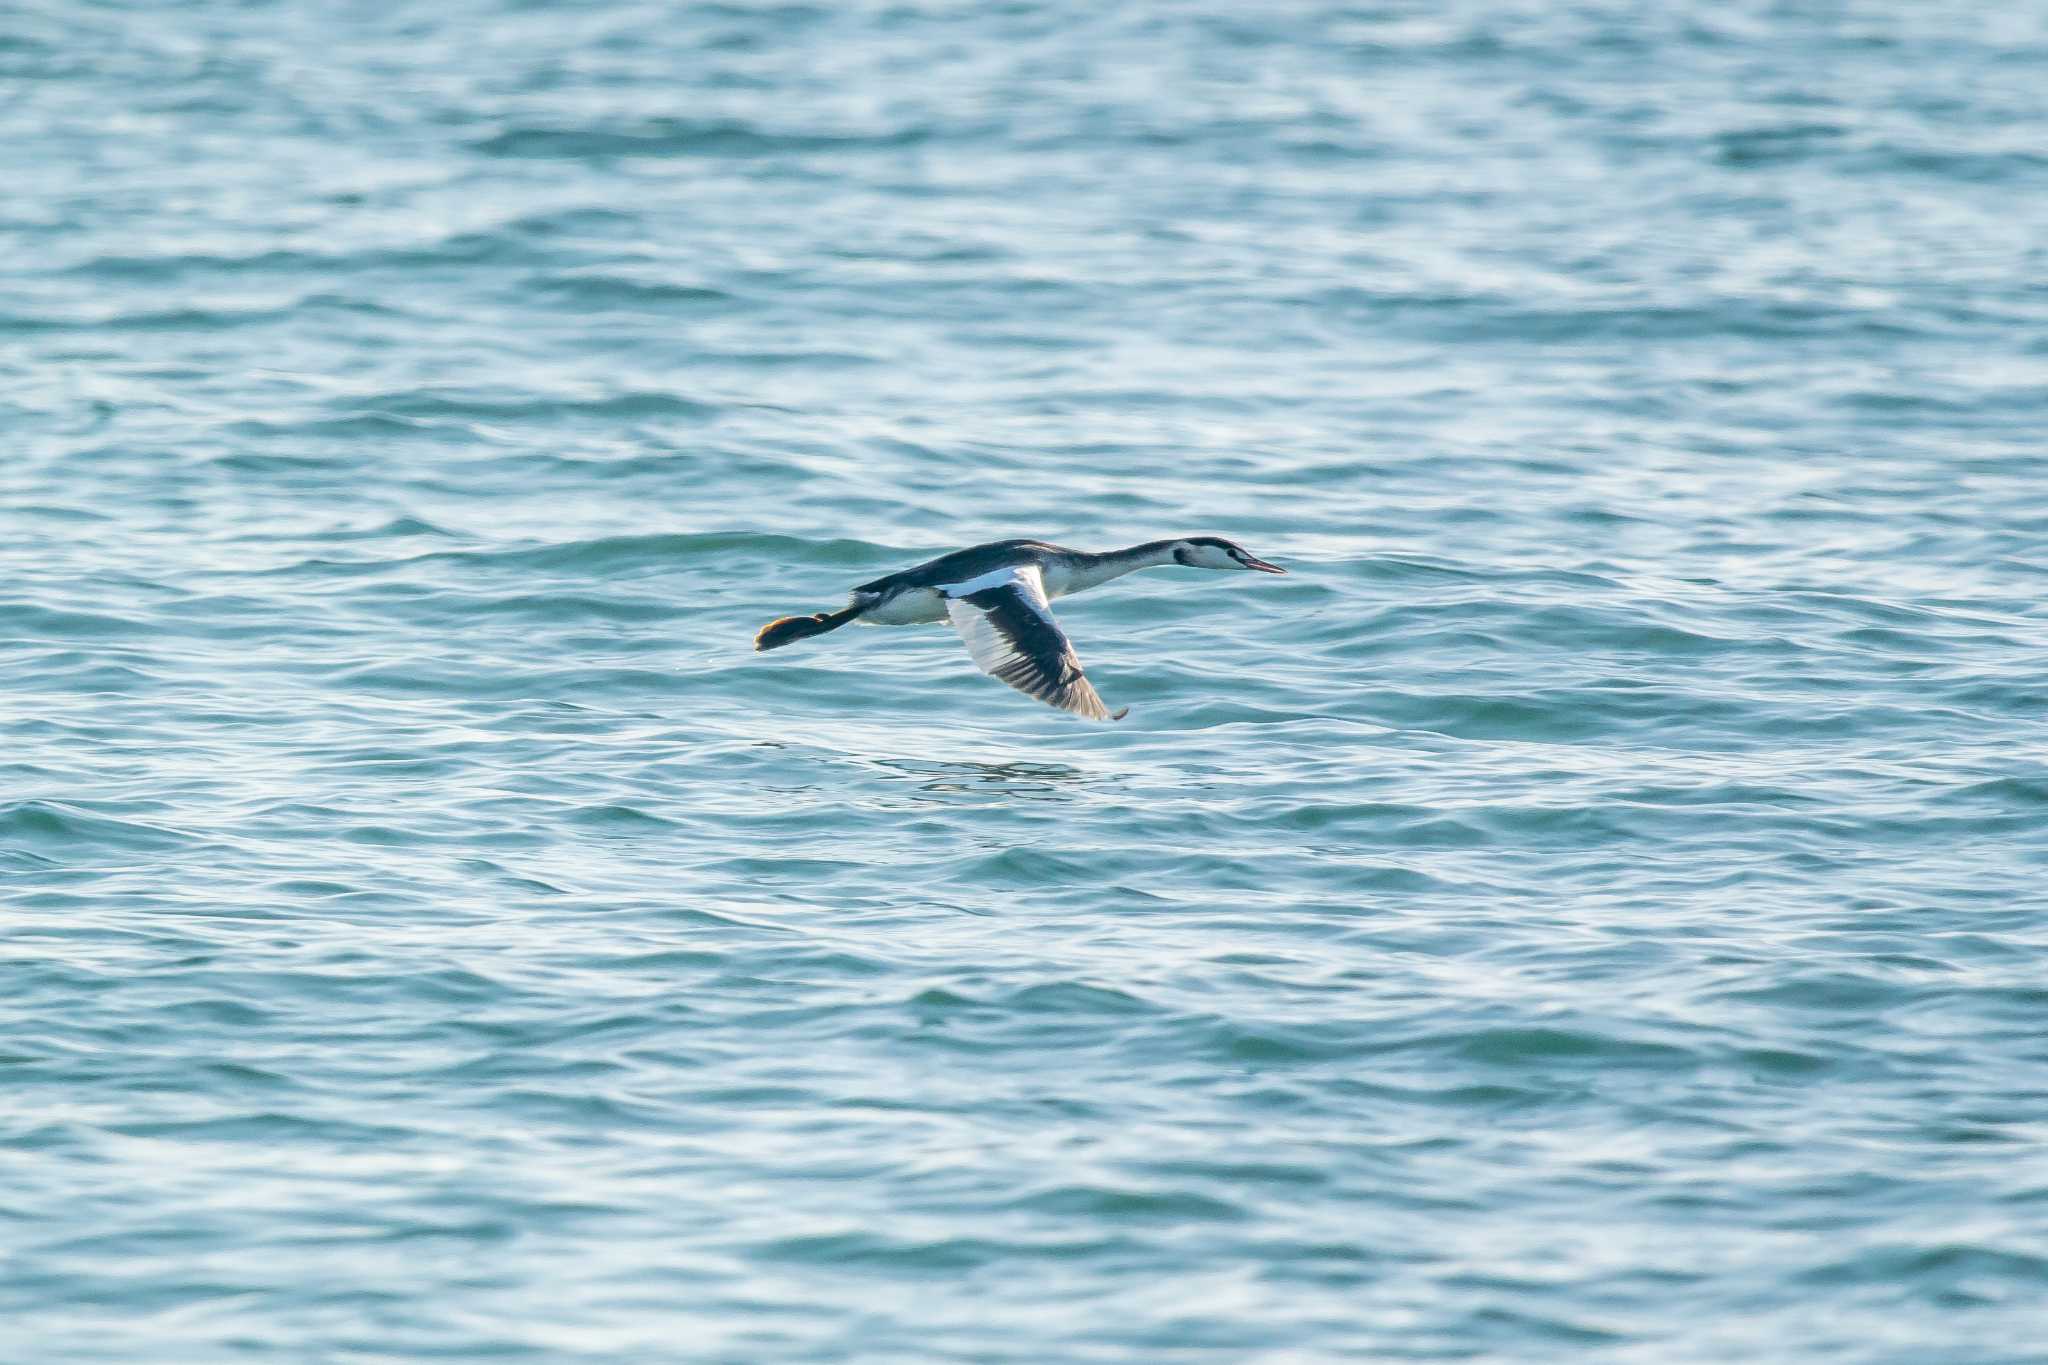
(1254, 562)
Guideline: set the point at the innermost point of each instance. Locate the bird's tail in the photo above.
(790, 629)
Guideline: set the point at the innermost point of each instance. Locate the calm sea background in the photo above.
(1592, 910)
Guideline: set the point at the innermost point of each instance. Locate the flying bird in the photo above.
(999, 597)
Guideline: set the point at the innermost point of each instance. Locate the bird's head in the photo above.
(1214, 552)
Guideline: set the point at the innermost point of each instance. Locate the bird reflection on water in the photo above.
(1035, 781)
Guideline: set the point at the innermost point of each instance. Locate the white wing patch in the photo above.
(1007, 624)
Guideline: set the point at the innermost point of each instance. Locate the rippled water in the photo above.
(1591, 909)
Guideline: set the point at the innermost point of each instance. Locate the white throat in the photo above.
(1095, 570)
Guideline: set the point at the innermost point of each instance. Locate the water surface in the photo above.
(1591, 909)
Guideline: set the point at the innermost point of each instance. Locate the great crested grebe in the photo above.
(998, 596)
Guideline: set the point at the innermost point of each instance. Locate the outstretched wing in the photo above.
(1008, 627)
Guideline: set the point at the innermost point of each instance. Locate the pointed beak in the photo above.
(1254, 562)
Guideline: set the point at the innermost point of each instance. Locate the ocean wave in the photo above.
(662, 137)
(63, 831)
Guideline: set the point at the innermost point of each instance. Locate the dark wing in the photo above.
(1008, 627)
(958, 565)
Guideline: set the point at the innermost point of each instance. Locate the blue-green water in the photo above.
(1592, 909)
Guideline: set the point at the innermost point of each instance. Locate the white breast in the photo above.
(1061, 579)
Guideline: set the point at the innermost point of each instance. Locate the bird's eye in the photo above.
(1180, 554)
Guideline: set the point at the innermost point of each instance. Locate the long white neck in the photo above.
(1092, 571)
